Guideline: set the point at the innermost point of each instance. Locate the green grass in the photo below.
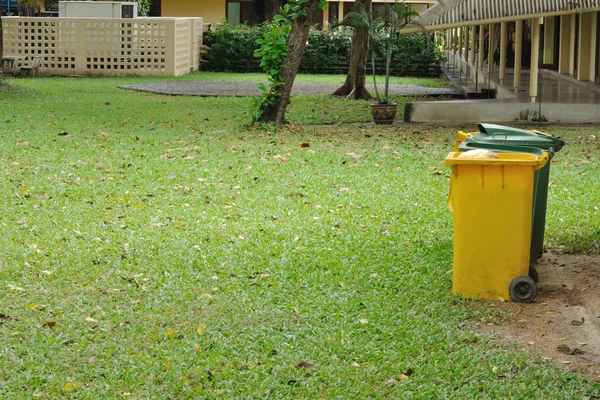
(155, 247)
(324, 78)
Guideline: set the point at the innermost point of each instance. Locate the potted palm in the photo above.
(390, 22)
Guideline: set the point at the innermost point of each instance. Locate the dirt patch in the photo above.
(563, 325)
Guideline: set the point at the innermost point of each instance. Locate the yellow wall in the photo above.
(212, 11)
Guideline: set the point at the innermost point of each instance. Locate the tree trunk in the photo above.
(354, 87)
(296, 44)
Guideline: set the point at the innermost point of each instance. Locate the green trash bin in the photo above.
(503, 135)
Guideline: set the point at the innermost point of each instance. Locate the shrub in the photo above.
(232, 48)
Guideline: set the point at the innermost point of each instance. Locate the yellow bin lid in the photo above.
(506, 159)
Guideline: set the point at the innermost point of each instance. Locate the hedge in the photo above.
(231, 48)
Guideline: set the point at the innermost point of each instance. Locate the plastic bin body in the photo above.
(491, 200)
(499, 135)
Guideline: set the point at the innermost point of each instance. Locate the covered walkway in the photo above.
(546, 53)
(561, 98)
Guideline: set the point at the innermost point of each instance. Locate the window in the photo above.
(241, 12)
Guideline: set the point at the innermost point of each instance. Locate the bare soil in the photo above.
(563, 324)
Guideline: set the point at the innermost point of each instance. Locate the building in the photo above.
(242, 11)
(526, 51)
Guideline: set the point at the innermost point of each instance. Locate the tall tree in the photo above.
(354, 87)
(273, 110)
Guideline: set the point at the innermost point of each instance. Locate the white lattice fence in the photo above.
(141, 46)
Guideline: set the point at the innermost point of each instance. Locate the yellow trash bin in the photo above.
(491, 200)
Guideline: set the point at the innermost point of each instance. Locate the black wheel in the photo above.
(522, 289)
(533, 273)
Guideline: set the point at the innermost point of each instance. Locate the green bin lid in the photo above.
(501, 148)
(504, 135)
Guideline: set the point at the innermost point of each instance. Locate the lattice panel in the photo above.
(183, 40)
(52, 39)
(126, 46)
(141, 46)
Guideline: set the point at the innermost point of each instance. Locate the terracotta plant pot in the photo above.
(384, 114)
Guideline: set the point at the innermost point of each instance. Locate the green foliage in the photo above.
(144, 7)
(232, 48)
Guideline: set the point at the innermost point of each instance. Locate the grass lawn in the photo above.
(155, 247)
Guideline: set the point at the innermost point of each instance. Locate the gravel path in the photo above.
(221, 88)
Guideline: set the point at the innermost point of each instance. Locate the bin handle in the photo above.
(500, 133)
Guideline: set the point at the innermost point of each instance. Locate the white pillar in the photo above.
(586, 63)
(535, 59)
(518, 53)
(503, 44)
(567, 44)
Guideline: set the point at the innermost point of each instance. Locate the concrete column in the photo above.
(340, 11)
(481, 46)
(491, 45)
(567, 43)
(535, 59)
(518, 53)
(325, 21)
(548, 57)
(503, 44)
(586, 63)
(473, 43)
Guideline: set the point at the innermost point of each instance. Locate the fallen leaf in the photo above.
(107, 104)
(304, 364)
(166, 366)
(201, 330)
(63, 133)
(392, 382)
(69, 387)
(90, 319)
(363, 321)
(305, 145)
(565, 362)
(49, 324)
(32, 306)
(171, 333)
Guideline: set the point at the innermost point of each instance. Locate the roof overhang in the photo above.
(449, 14)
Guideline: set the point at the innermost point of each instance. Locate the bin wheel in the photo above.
(522, 289)
(533, 274)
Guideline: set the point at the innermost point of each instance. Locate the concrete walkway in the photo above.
(562, 99)
(221, 88)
